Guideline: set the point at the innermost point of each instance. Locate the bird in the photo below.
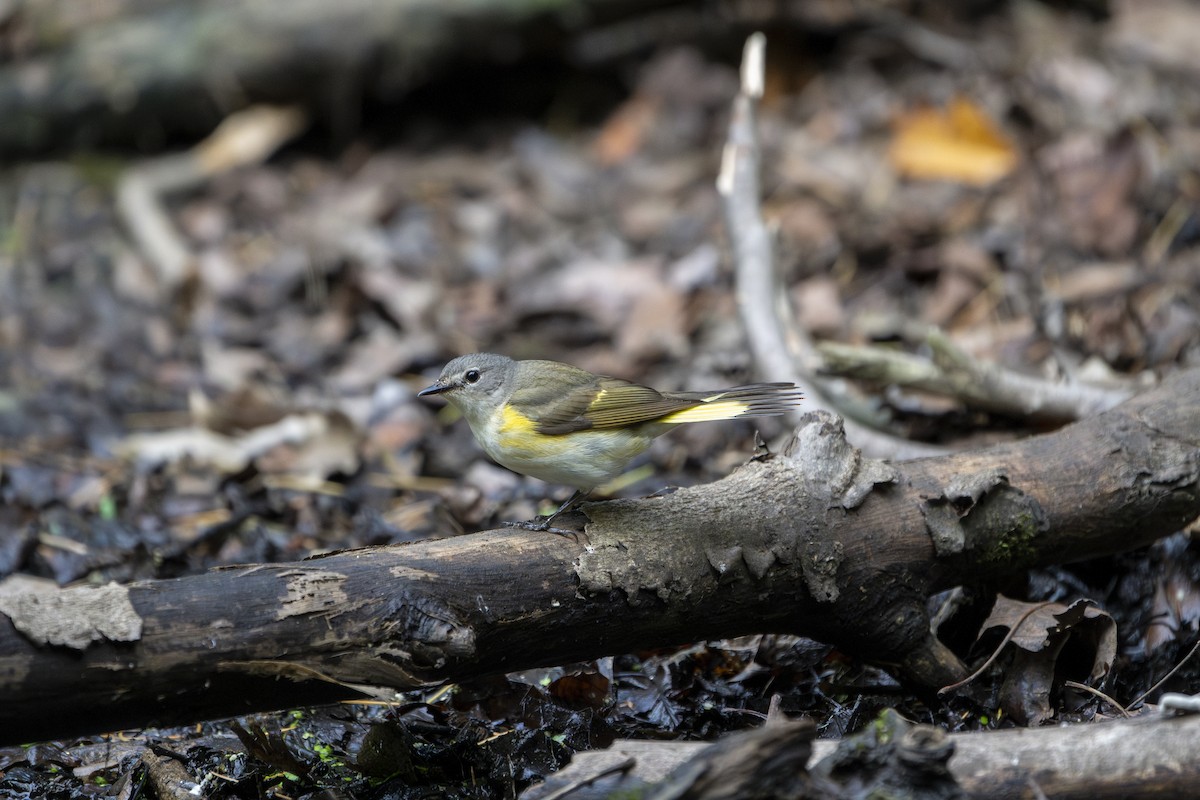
(564, 425)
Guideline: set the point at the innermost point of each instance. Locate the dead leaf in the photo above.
(1095, 281)
(231, 367)
(1095, 181)
(250, 406)
(625, 130)
(331, 450)
(382, 352)
(408, 300)
(582, 688)
(632, 301)
(819, 306)
(1162, 32)
(1050, 642)
(960, 143)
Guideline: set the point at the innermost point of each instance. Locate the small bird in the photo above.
(565, 425)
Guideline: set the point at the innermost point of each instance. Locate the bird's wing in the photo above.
(603, 403)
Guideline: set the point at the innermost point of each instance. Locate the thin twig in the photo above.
(243, 138)
(781, 350)
(953, 373)
(1083, 687)
(1008, 637)
(1166, 677)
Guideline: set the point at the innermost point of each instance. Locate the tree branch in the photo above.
(952, 372)
(1151, 756)
(817, 541)
(781, 349)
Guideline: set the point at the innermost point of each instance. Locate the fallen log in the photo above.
(1150, 756)
(131, 73)
(816, 541)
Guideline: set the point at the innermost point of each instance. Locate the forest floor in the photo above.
(1027, 181)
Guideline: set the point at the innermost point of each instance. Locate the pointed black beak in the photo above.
(436, 388)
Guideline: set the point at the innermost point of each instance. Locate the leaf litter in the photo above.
(262, 408)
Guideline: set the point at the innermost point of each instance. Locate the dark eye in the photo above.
(472, 376)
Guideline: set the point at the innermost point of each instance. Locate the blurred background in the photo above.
(235, 238)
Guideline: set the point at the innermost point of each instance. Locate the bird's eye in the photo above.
(472, 376)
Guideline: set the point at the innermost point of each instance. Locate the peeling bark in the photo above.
(1152, 756)
(815, 541)
(75, 617)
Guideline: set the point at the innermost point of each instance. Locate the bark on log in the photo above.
(816, 541)
(1152, 756)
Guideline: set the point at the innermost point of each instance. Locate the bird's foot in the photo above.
(541, 525)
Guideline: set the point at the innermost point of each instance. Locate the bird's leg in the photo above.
(572, 501)
(543, 523)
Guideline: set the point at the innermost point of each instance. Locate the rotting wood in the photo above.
(815, 541)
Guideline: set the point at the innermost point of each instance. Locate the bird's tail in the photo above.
(751, 400)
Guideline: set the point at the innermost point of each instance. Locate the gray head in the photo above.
(476, 383)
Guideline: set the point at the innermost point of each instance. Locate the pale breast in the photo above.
(584, 459)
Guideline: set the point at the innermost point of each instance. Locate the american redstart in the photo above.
(564, 425)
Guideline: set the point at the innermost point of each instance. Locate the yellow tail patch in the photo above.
(709, 412)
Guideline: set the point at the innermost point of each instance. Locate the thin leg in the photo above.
(572, 501)
(543, 523)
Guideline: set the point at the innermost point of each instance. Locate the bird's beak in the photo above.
(436, 388)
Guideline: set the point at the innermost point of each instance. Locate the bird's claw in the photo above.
(541, 525)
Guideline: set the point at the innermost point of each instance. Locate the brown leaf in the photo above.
(1162, 32)
(819, 306)
(1095, 182)
(959, 143)
(625, 130)
(1048, 641)
(632, 301)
